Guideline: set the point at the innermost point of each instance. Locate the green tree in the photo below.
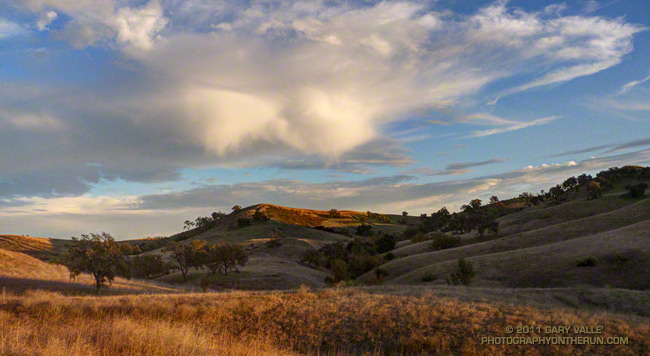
(149, 265)
(99, 255)
(188, 256)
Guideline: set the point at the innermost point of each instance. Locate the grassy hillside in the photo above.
(39, 247)
(622, 261)
(275, 264)
(418, 255)
(20, 273)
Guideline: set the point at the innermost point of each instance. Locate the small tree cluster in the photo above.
(148, 266)
(204, 222)
(348, 261)
(224, 258)
(436, 221)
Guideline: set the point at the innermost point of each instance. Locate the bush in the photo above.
(389, 256)
(429, 277)
(443, 241)
(636, 190)
(586, 262)
(243, 222)
(464, 273)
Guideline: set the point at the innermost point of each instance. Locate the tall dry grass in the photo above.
(338, 322)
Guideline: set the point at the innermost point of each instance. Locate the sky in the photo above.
(131, 116)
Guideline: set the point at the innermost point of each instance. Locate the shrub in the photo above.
(379, 275)
(443, 241)
(389, 256)
(636, 190)
(243, 222)
(464, 273)
(429, 277)
(586, 262)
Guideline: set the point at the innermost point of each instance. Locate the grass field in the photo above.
(334, 322)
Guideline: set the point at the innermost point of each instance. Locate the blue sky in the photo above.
(132, 116)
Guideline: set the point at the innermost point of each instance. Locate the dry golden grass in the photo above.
(337, 322)
(39, 247)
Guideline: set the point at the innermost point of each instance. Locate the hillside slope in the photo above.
(418, 255)
(622, 260)
(20, 273)
(276, 245)
(39, 247)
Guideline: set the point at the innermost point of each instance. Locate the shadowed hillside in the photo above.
(39, 247)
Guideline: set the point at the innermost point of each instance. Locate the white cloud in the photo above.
(8, 28)
(139, 27)
(45, 19)
(133, 28)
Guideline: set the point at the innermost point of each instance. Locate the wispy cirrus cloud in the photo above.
(630, 85)
(505, 124)
(610, 148)
(453, 169)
